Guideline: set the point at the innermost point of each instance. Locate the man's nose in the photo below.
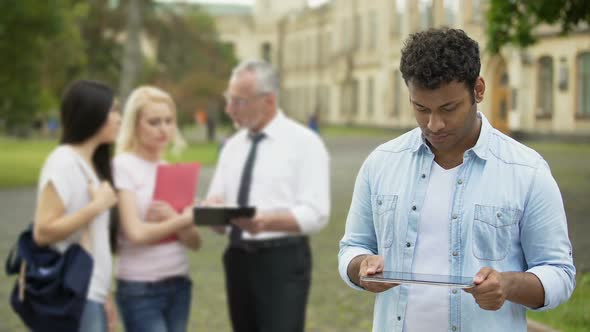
(435, 122)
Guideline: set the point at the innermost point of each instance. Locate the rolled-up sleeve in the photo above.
(359, 235)
(312, 208)
(544, 236)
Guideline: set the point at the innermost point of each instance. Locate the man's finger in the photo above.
(482, 275)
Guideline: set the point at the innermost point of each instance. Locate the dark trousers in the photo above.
(267, 288)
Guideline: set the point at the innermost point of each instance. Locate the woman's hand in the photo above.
(159, 211)
(103, 195)
(111, 313)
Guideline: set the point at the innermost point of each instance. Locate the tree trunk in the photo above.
(132, 56)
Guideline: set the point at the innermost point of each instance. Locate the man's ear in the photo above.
(479, 89)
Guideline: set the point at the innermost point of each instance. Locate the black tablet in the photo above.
(220, 215)
(421, 279)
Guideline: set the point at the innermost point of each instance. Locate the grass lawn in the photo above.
(574, 316)
(21, 160)
(336, 131)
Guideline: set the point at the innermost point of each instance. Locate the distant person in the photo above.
(456, 197)
(153, 284)
(281, 168)
(211, 120)
(52, 125)
(75, 193)
(313, 122)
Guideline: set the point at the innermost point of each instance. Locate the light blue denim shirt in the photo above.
(507, 213)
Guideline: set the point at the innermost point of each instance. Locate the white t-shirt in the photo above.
(151, 262)
(428, 306)
(63, 168)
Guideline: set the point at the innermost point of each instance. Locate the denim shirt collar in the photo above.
(480, 149)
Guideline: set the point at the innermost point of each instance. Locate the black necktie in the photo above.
(244, 190)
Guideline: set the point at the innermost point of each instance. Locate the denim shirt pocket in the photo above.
(494, 229)
(383, 217)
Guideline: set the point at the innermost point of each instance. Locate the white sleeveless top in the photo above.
(63, 168)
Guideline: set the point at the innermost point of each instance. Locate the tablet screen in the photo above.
(220, 216)
(418, 278)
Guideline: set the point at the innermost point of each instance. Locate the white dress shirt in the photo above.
(291, 173)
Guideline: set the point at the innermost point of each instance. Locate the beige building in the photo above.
(341, 60)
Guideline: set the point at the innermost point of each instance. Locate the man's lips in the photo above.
(437, 137)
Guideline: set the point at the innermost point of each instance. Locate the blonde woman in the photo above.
(153, 286)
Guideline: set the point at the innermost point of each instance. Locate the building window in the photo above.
(358, 32)
(266, 52)
(451, 11)
(396, 87)
(477, 9)
(426, 14)
(373, 24)
(370, 98)
(397, 11)
(584, 84)
(545, 87)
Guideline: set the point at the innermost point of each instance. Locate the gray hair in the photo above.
(267, 78)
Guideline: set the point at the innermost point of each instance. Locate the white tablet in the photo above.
(421, 279)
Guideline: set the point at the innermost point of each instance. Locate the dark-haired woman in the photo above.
(75, 192)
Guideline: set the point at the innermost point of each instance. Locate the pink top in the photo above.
(144, 262)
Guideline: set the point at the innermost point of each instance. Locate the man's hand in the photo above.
(490, 291)
(214, 201)
(370, 265)
(160, 211)
(252, 225)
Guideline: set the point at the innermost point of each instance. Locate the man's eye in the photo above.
(449, 109)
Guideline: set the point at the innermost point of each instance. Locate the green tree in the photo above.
(191, 63)
(64, 57)
(24, 26)
(100, 31)
(513, 21)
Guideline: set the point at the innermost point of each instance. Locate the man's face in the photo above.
(246, 107)
(448, 115)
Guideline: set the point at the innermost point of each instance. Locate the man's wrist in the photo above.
(354, 268)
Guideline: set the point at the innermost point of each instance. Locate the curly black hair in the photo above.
(435, 57)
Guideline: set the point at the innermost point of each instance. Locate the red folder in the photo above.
(176, 184)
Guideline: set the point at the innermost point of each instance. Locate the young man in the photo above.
(456, 197)
(281, 168)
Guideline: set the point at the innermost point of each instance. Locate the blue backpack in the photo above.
(50, 291)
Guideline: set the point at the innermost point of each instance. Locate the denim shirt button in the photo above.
(499, 214)
(454, 328)
(455, 253)
(455, 216)
(423, 176)
(459, 181)
(399, 317)
(379, 202)
(454, 291)
(408, 244)
(414, 208)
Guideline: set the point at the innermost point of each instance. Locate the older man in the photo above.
(281, 168)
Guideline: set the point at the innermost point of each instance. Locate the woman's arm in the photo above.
(52, 225)
(139, 232)
(190, 237)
